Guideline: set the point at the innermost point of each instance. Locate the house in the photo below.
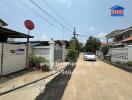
(121, 37)
(3, 23)
(122, 41)
(117, 11)
(12, 56)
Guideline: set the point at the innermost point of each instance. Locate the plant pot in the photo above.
(44, 68)
(37, 66)
(30, 65)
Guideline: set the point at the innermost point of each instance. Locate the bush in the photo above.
(71, 55)
(121, 63)
(105, 50)
(36, 60)
(129, 63)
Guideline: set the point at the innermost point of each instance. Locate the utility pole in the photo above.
(74, 39)
(74, 33)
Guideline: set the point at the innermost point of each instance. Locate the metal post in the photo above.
(2, 49)
(27, 48)
(63, 52)
(107, 40)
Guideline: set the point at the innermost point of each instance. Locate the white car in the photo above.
(89, 56)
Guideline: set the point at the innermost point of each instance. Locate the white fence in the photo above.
(53, 53)
(121, 54)
(14, 58)
(42, 51)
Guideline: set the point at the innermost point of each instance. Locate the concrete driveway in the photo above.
(98, 81)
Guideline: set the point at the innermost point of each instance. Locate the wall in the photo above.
(14, 58)
(44, 52)
(121, 54)
(41, 51)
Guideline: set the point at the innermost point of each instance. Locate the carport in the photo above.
(12, 56)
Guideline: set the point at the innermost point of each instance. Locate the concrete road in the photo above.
(98, 81)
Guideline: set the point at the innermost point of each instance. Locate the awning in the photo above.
(3, 23)
(12, 34)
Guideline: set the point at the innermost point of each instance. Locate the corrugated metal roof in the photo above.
(3, 23)
(12, 34)
(113, 33)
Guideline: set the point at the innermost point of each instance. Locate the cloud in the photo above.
(101, 36)
(91, 29)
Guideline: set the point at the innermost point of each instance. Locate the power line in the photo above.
(57, 13)
(46, 12)
(33, 11)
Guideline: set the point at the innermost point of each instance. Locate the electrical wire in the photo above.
(46, 13)
(57, 13)
(33, 11)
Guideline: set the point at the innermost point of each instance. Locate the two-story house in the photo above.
(121, 37)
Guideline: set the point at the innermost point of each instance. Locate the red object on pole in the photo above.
(29, 24)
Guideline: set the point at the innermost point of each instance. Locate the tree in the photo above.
(105, 49)
(92, 44)
(74, 49)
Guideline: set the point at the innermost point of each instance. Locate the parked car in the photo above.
(89, 56)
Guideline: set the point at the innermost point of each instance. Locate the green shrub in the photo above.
(36, 60)
(105, 49)
(129, 63)
(71, 55)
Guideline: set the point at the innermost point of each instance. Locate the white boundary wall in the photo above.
(42, 51)
(121, 54)
(53, 53)
(14, 58)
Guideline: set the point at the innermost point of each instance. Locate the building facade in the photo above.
(121, 37)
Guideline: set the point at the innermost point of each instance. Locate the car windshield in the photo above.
(89, 53)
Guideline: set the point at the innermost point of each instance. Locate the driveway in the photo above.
(98, 81)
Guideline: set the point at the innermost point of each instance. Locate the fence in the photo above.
(58, 53)
(53, 53)
(121, 54)
(42, 51)
(12, 59)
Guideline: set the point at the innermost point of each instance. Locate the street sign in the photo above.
(29, 24)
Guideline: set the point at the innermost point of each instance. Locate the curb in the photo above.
(2, 93)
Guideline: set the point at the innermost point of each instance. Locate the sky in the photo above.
(90, 17)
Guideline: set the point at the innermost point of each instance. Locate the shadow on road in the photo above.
(54, 90)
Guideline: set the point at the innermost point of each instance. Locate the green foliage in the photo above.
(37, 60)
(71, 55)
(92, 44)
(105, 49)
(74, 49)
(129, 63)
(121, 63)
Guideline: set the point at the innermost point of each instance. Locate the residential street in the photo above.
(99, 81)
